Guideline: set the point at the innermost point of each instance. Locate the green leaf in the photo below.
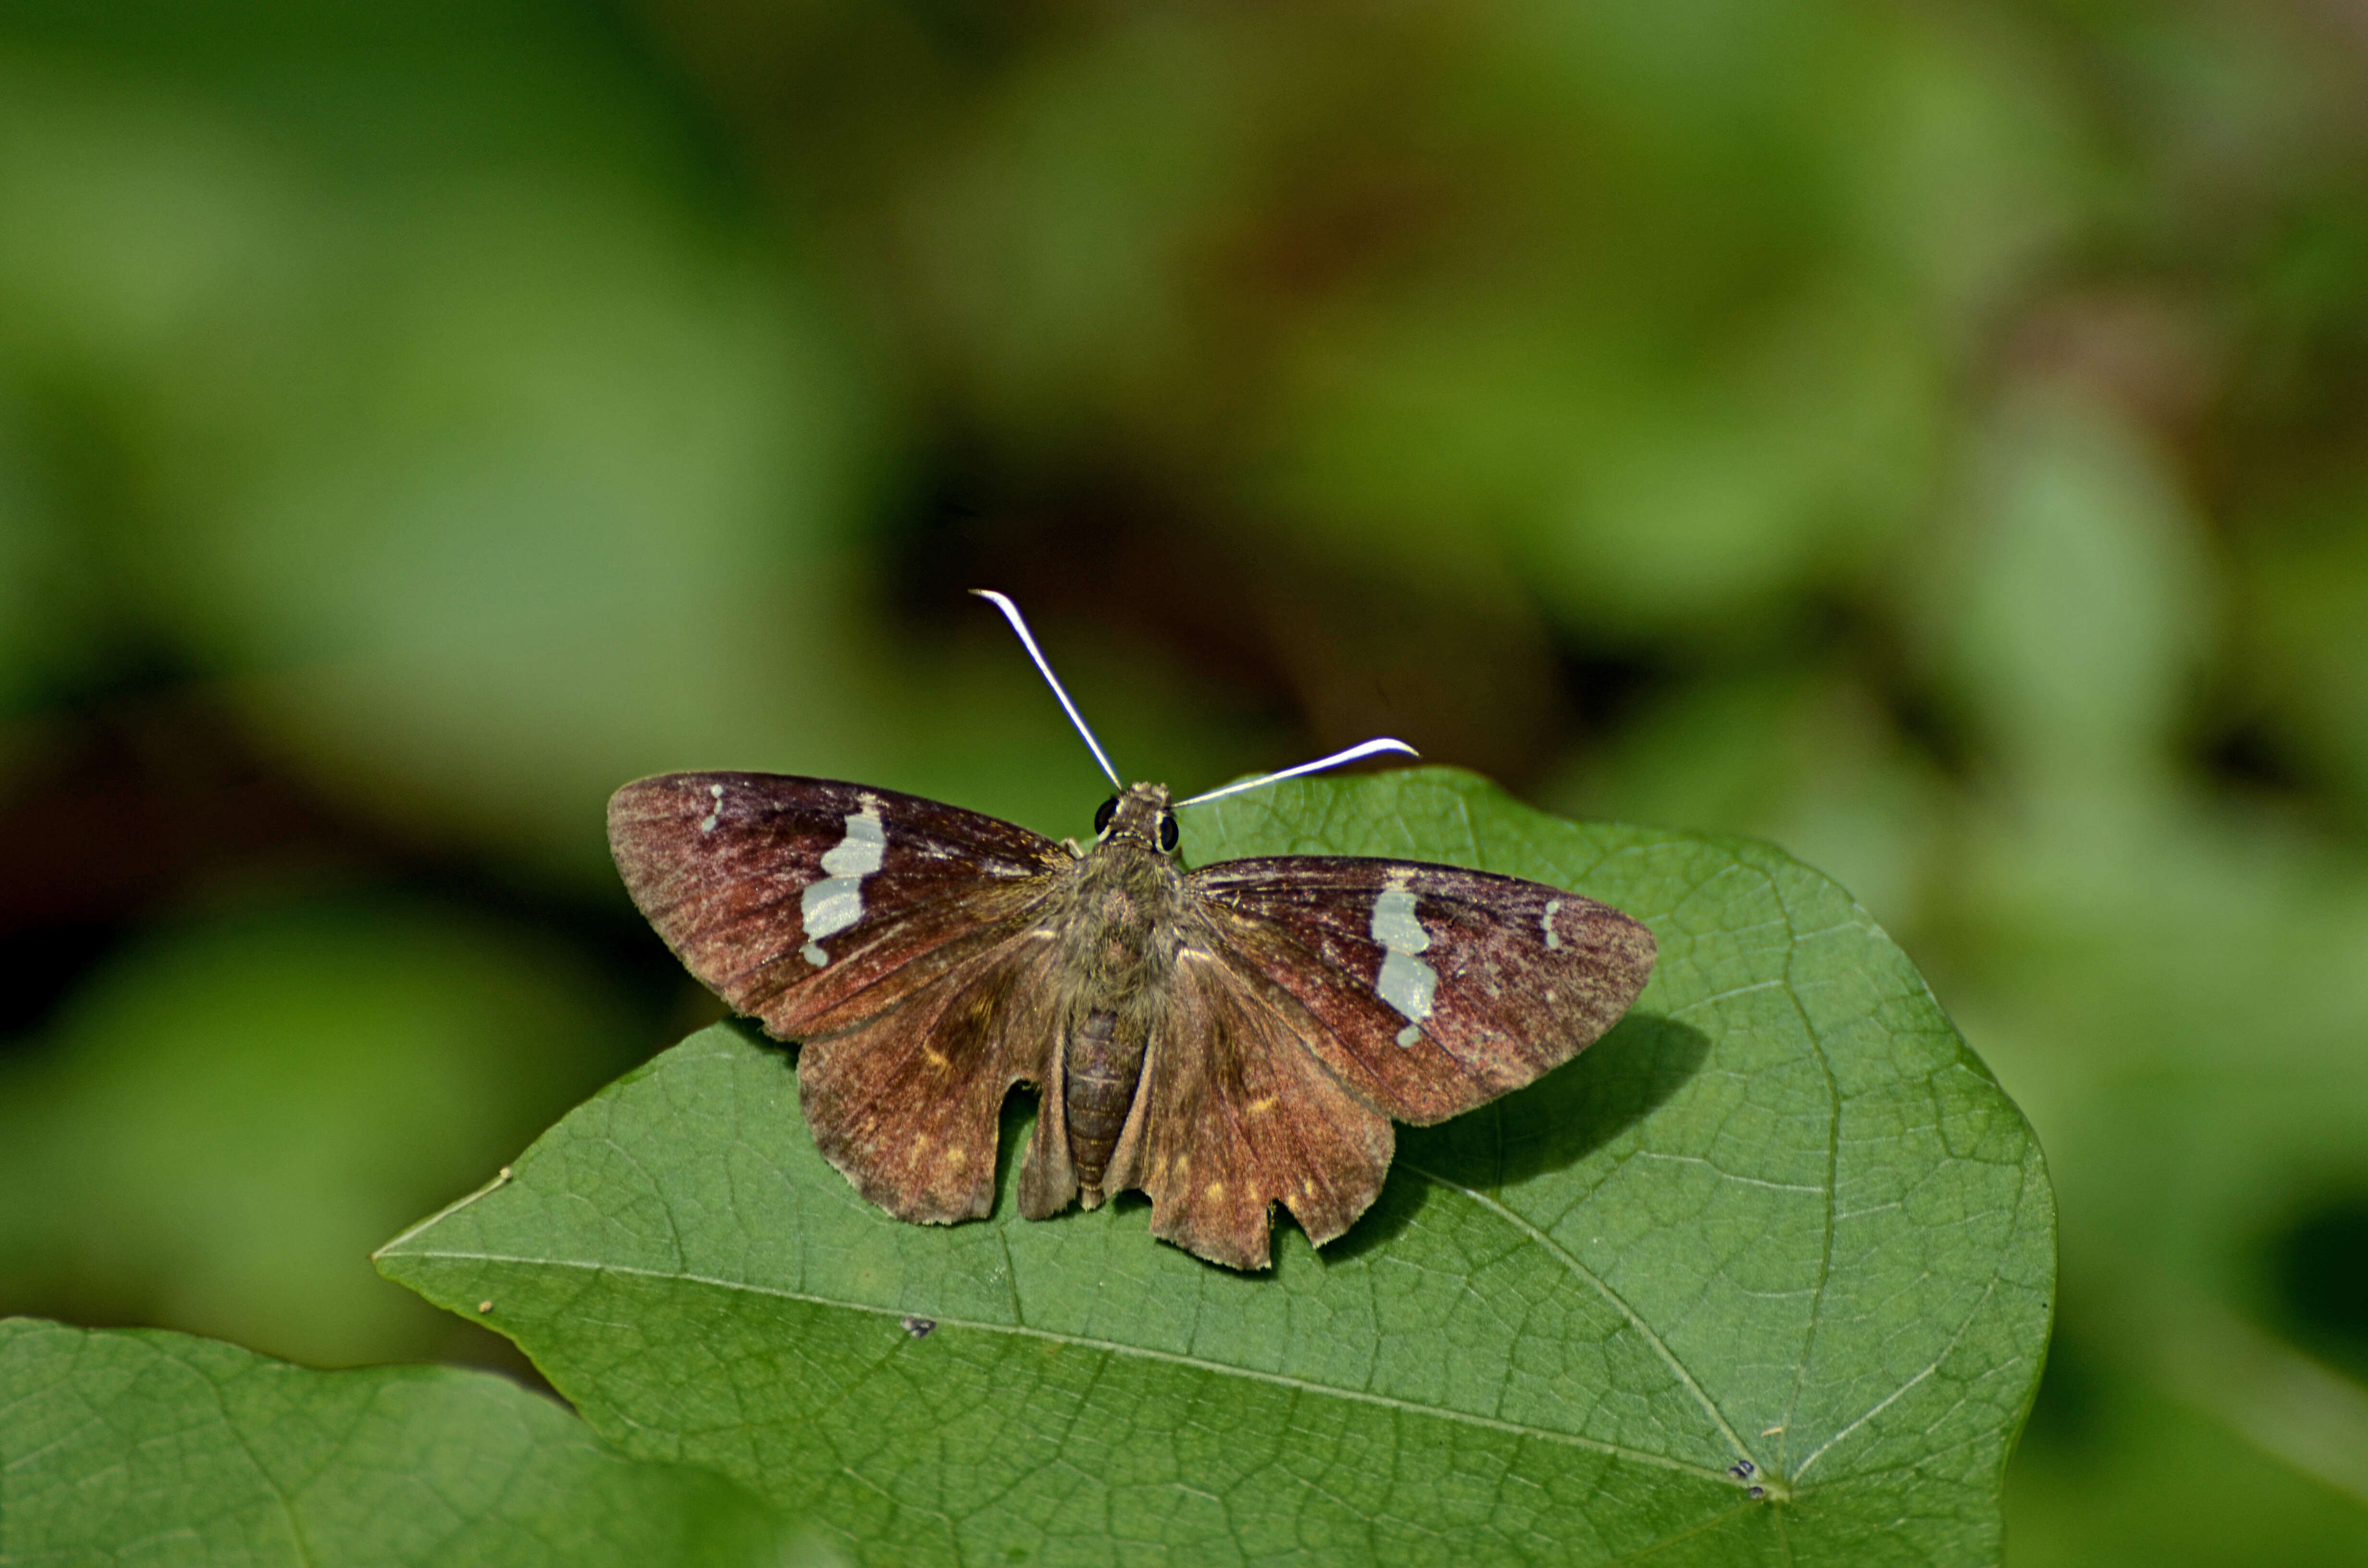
(124, 1446)
(1780, 1217)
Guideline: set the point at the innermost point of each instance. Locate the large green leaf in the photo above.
(149, 1446)
(1764, 1276)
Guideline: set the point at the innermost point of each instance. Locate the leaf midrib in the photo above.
(1116, 1348)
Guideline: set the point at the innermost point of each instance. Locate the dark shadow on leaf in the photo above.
(1018, 1125)
(753, 1033)
(1403, 1196)
(1567, 1113)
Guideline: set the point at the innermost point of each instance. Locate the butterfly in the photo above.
(1222, 1039)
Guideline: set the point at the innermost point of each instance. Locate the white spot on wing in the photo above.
(1406, 982)
(716, 813)
(1554, 940)
(835, 902)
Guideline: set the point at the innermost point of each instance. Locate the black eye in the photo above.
(1102, 817)
(1169, 837)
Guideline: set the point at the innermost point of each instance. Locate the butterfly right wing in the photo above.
(1236, 1114)
(1428, 989)
(1317, 998)
(816, 905)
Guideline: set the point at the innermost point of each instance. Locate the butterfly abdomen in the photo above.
(1105, 1063)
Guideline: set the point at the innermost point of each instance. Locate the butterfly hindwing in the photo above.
(908, 1105)
(1048, 1174)
(1428, 989)
(813, 904)
(1235, 1115)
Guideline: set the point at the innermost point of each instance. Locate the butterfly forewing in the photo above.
(816, 905)
(1429, 989)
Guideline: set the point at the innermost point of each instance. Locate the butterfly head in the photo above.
(1139, 814)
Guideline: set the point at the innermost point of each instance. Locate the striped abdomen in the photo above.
(1103, 1069)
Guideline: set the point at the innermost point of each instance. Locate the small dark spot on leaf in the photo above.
(919, 1327)
(1741, 1469)
(1756, 1493)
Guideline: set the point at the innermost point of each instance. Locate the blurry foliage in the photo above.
(228, 1117)
(1933, 436)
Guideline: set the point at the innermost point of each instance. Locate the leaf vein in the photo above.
(1141, 1352)
(1635, 1321)
(1894, 1395)
(1833, 1170)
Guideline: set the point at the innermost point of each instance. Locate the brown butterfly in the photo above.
(1223, 1038)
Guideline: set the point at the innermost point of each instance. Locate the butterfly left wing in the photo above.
(900, 939)
(814, 905)
(908, 1105)
(1426, 989)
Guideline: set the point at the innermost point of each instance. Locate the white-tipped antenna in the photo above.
(1011, 613)
(1365, 748)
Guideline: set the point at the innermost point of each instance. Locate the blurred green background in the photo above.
(1932, 435)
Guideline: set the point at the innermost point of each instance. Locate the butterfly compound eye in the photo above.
(1102, 817)
(1168, 836)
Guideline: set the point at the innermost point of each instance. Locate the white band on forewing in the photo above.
(1406, 982)
(835, 902)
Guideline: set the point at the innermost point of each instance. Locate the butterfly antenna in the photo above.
(1011, 613)
(1365, 748)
